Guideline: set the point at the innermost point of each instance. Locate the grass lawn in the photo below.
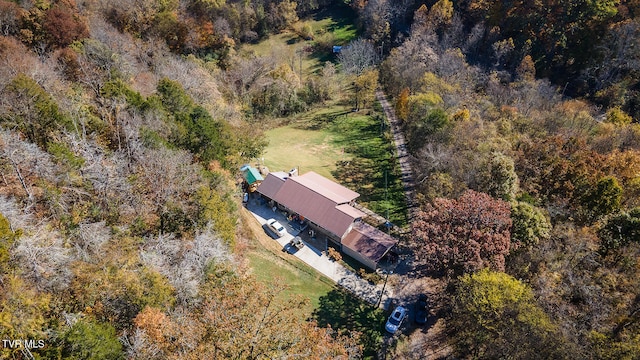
(316, 141)
(353, 149)
(329, 305)
(373, 171)
(270, 264)
(302, 280)
(337, 20)
(306, 143)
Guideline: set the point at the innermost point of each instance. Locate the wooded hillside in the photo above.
(525, 169)
(123, 127)
(123, 124)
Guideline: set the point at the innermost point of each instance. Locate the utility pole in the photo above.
(386, 273)
(301, 50)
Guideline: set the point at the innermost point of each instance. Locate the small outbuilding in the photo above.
(251, 177)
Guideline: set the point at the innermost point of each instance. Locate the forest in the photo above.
(123, 125)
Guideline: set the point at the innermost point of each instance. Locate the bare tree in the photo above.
(27, 160)
(89, 239)
(407, 64)
(184, 262)
(248, 74)
(107, 172)
(166, 177)
(358, 56)
(18, 218)
(44, 259)
(200, 83)
(621, 54)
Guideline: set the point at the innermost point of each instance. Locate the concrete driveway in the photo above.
(319, 261)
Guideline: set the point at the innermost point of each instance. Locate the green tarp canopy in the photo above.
(252, 175)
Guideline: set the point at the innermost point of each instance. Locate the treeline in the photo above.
(120, 231)
(588, 49)
(528, 199)
(209, 28)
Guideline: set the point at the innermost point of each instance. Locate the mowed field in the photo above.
(307, 143)
(353, 149)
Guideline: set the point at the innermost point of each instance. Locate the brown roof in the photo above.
(368, 241)
(320, 200)
(316, 198)
(272, 184)
(325, 187)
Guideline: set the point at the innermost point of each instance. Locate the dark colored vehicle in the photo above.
(422, 309)
(294, 245)
(296, 242)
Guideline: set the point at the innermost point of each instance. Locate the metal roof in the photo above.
(325, 187)
(368, 241)
(318, 199)
(272, 183)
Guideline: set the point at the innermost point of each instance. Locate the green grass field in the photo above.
(373, 170)
(353, 149)
(301, 279)
(329, 305)
(307, 143)
(320, 140)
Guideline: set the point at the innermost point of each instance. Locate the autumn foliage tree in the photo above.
(238, 318)
(496, 316)
(463, 235)
(63, 25)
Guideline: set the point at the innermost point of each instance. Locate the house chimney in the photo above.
(293, 172)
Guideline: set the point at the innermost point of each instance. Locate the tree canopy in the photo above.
(463, 235)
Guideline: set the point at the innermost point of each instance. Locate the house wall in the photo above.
(322, 233)
(364, 261)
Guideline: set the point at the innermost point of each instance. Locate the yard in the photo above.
(331, 27)
(334, 142)
(328, 305)
(306, 143)
(353, 149)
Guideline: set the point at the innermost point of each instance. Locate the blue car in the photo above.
(395, 319)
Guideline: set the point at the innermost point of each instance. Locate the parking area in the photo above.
(316, 257)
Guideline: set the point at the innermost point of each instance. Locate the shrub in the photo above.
(334, 254)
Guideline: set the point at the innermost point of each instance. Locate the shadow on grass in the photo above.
(342, 24)
(344, 312)
(321, 121)
(373, 170)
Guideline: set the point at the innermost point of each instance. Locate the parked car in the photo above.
(294, 245)
(276, 227)
(297, 242)
(422, 309)
(396, 318)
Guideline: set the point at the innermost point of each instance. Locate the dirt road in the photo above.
(427, 342)
(408, 180)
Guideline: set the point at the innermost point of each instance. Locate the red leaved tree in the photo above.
(463, 235)
(64, 25)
